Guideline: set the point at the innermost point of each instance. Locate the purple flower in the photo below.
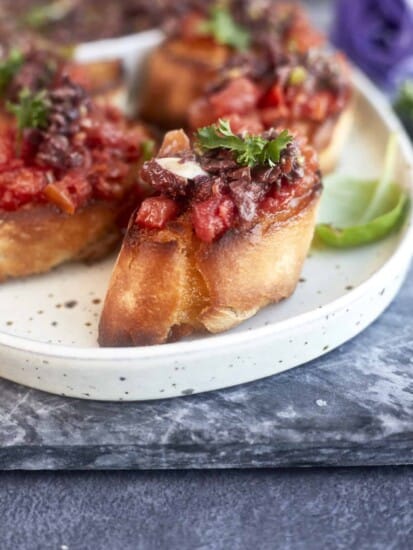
(378, 36)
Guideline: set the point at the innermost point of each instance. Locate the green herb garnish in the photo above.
(363, 211)
(224, 29)
(31, 111)
(41, 16)
(249, 150)
(8, 68)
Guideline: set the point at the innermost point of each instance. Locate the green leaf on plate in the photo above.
(356, 212)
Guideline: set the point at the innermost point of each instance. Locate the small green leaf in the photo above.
(224, 29)
(249, 150)
(356, 212)
(8, 68)
(275, 147)
(220, 135)
(31, 111)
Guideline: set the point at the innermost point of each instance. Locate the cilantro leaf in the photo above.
(224, 29)
(249, 150)
(31, 111)
(274, 148)
(8, 68)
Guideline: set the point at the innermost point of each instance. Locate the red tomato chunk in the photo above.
(20, 186)
(211, 218)
(156, 212)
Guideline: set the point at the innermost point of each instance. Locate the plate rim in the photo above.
(403, 251)
(115, 48)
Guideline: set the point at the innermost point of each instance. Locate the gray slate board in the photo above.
(353, 406)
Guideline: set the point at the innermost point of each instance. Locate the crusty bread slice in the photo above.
(40, 237)
(176, 74)
(168, 283)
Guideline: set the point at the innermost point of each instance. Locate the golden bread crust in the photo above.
(177, 73)
(168, 283)
(36, 239)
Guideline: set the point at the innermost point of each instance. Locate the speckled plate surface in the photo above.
(48, 324)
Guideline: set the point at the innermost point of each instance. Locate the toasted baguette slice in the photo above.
(176, 74)
(69, 203)
(36, 239)
(166, 285)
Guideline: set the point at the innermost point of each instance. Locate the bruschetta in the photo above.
(35, 65)
(307, 92)
(67, 176)
(225, 233)
(202, 42)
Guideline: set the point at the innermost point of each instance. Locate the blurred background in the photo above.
(376, 34)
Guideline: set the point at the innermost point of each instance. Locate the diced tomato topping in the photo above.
(250, 123)
(156, 212)
(211, 218)
(7, 148)
(277, 200)
(108, 176)
(240, 95)
(293, 103)
(119, 139)
(274, 97)
(69, 193)
(20, 186)
(104, 134)
(318, 105)
(200, 113)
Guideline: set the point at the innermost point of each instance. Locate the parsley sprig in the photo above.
(31, 111)
(224, 29)
(249, 150)
(8, 68)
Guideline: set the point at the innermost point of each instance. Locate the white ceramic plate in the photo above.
(48, 324)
